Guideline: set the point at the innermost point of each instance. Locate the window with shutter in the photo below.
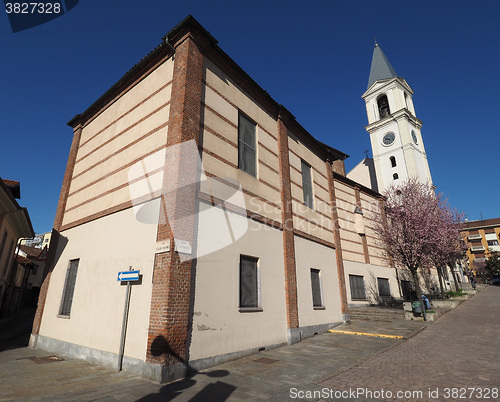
(69, 288)
(357, 285)
(249, 282)
(247, 146)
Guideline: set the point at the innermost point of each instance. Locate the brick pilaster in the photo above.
(49, 266)
(381, 203)
(172, 278)
(68, 175)
(292, 315)
(366, 252)
(338, 244)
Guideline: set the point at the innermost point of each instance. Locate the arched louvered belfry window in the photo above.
(383, 106)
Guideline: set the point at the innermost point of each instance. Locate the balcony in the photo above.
(476, 249)
(475, 237)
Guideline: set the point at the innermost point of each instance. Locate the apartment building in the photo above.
(482, 236)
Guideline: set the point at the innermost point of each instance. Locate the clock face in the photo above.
(389, 138)
(414, 137)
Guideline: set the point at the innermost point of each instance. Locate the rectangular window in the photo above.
(247, 146)
(492, 242)
(357, 284)
(307, 188)
(383, 287)
(316, 288)
(69, 288)
(249, 282)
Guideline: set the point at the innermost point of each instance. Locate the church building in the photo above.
(198, 221)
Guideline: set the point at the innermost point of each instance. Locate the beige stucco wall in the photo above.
(218, 325)
(223, 101)
(6, 258)
(315, 221)
(105, 247)
(309, 255)
(131, 127)
(370, 274)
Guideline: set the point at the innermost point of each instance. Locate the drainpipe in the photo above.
(169, 46)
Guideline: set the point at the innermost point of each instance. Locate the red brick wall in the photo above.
(292, 314)
(171, 293)
(338, 244)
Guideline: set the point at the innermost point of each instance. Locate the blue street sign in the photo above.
(128, 276)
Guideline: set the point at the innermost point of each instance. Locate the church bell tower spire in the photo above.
(395, 132)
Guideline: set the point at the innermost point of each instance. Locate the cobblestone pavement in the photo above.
(459, 352)
(460, 349)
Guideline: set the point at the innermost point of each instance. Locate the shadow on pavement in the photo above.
(15, 329)
(218, 391)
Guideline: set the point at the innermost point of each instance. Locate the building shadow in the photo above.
(15, 329)
(217, 391)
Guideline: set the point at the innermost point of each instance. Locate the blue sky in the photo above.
(313, 57)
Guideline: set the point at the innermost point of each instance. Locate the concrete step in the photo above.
(376, 313)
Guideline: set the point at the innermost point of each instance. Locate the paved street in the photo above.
(458, 350)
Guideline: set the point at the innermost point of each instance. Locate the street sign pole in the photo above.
(124, 324)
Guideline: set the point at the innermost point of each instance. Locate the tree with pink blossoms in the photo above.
(450, 247)
(417, 228)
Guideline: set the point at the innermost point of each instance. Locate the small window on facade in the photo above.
(316, 288)
(383, 106)
(307, 188)
(393, 161)
(383, 287)
(357, 285)
(395, 176)
(247, 146)
(249, 282)
(492, 242)
(69, 288)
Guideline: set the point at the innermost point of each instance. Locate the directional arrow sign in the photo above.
(128, 276)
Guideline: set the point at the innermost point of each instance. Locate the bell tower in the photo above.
(395, 132)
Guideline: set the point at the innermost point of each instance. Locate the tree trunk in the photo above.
(416, 283)
(441, 285)
(419, 293)
(455, 278)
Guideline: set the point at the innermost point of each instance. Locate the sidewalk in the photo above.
(32, 374)
(333, 360)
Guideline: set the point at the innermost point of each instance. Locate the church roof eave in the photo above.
(386, 82)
